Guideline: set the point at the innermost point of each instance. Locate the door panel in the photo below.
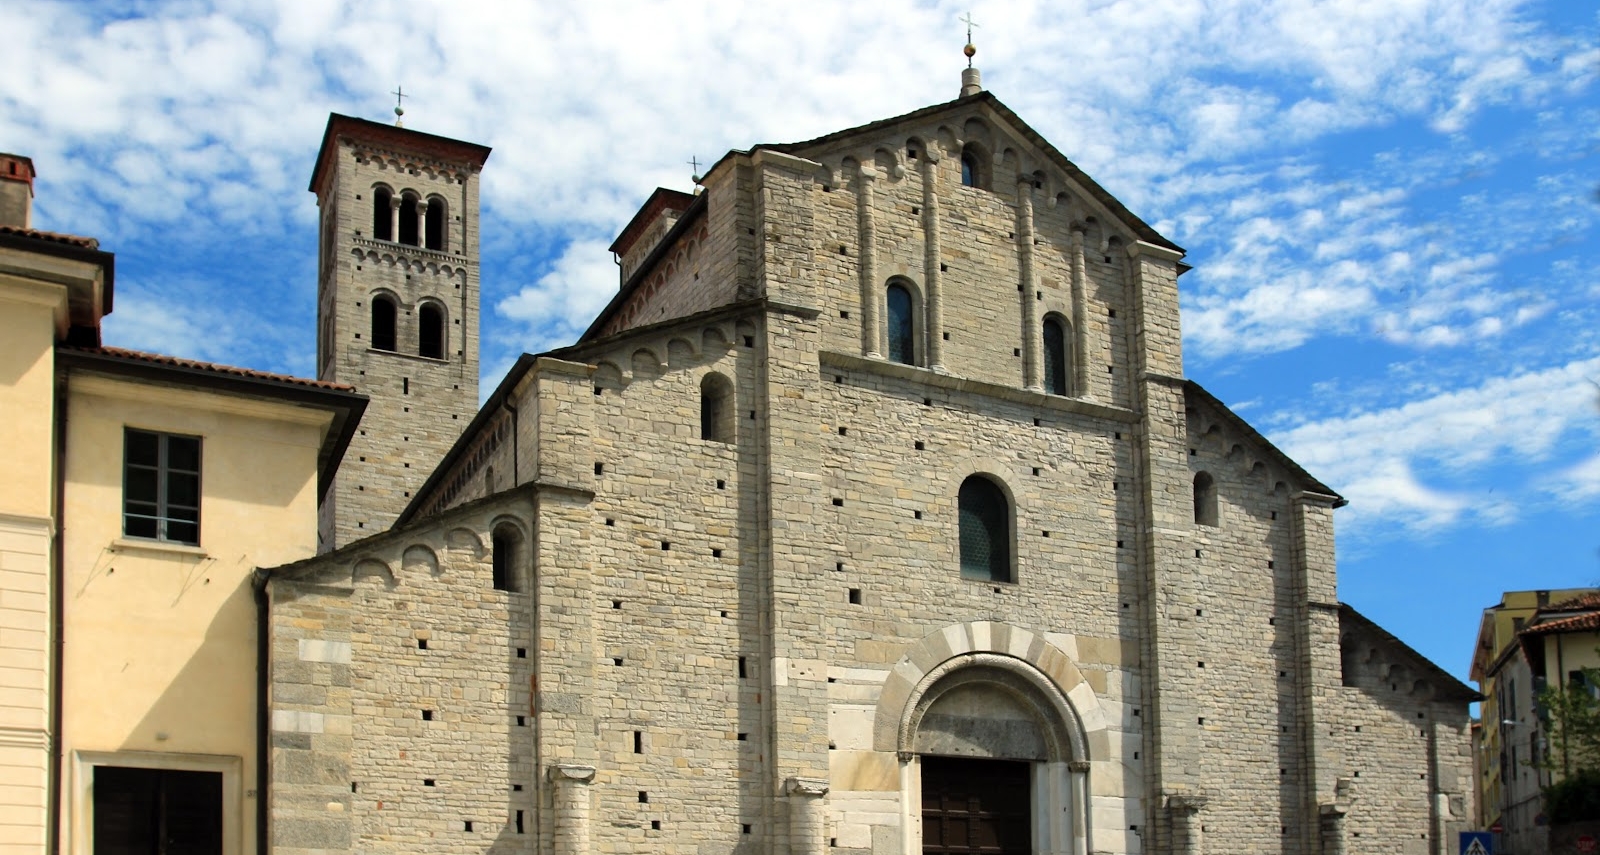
(975, 807)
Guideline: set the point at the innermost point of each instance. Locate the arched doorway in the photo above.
(994, 761)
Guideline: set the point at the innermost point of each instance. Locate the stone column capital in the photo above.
(561, 772)
(806, 787)
(1078, 765)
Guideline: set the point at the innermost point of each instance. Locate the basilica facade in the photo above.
(874, 514)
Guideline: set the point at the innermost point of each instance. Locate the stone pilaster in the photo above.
(1027, 286)
(931, 259)
(1080, 318)
(1184, 813)
(807, 825)
(570, 786)
(867, 240)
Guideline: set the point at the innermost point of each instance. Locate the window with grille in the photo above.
(985, 524)
(161, 486)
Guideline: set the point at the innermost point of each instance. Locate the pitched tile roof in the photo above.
(53, 237)
(1577, 623)
(209, 367)
(1557, 617)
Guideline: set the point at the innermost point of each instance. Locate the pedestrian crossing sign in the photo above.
(1477, 843)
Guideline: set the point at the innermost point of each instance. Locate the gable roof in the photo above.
(1197, 393)
(1449, 687)
(1139, 227)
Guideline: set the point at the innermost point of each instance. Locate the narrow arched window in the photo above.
(434, 221)
(382, 214)
(985, 529)
(1055, 356)
(969, 168)
(902, 327)
(430, 331)
(1205, 499)
(716, 408)
(408, 219)
(382, 323)
(506, 545)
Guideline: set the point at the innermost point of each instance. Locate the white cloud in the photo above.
(560, 305)
(1471, 453)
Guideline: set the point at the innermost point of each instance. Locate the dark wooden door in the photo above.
(157, 812)
(975, 807)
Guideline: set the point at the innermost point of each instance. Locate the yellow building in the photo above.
(140, 492)
(1510, 665)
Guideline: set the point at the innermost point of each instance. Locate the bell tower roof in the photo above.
(380, 135)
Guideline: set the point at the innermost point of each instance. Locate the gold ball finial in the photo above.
(970, 51)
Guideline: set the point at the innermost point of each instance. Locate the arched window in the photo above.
(382, 323)
(435, 224)
(507, 548)
(408, 219)
(430, 331)
(1056, 368)
(971, 171)
(902, 327)
(985, 528)
(1205, 499)
(382, 214)
(716, 408)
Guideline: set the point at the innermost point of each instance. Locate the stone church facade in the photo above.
(874, 514)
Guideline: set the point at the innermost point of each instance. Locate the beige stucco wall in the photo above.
(160, 638)
(27, 339)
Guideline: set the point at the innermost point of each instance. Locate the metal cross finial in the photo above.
(399, 94)
(970, 49)
(694, 163)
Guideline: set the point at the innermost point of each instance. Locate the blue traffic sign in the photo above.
(1477, 843)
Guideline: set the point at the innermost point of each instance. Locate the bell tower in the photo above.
(397, 308)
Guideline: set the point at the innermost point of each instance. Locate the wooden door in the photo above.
(976, 807)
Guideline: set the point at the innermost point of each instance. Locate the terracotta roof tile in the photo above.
(1576, 623)
(212, 367)
(1582, 601)
(54, 237)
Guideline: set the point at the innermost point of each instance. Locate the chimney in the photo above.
(16, 191)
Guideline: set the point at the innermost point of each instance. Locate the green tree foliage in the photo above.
(1573, 715)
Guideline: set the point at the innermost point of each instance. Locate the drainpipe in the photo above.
(58, 622)
(263, 649)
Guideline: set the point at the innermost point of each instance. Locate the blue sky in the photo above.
(1391, 205)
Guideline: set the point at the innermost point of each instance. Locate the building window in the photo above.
(974, 168)
(408, 219)
(1205, 499)
(382, 213)
(716, 408)
(506, 545)
(902, 326)
(383, 313)
(985, 529)
(1056, 368)
(161, 486)
(156, 811)
(434, 224)
(430, 331)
